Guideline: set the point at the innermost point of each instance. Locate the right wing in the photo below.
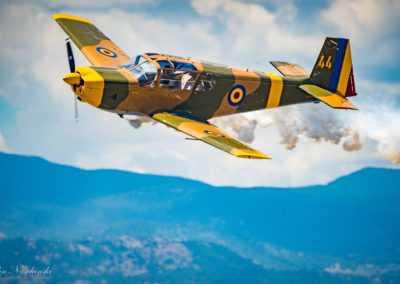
(97, 48)
(290, 69)
(208, 133)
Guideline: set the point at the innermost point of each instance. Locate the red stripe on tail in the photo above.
(351, 88)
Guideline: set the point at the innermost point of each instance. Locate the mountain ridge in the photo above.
(353, 221)
(364, 171)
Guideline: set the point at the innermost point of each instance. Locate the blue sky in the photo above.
(36, 106)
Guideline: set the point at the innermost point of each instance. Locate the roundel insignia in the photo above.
(236, 95)
(106, 52)
(209, 132)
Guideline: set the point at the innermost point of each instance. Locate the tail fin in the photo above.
(334, 68)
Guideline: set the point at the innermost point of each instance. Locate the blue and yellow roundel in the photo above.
(106, 52)
(236, 95)
(209, 132)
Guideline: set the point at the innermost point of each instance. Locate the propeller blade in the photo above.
(71, 59)
(76, 109)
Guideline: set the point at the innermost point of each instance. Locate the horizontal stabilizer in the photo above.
(290, 69)
(331, 99)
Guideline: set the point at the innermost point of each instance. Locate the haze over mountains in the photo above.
(112, 225)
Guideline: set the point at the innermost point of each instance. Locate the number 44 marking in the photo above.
(325, 64)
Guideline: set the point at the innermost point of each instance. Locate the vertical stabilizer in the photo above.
(333, 70)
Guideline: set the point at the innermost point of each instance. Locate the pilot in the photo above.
(186, 81)
(165, 77)
(165, 73)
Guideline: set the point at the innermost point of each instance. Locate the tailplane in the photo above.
(331, 99)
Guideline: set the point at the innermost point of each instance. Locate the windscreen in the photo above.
(146, 73)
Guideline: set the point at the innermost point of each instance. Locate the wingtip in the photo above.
(249, 154)
(351, 106)
(348, 105)
(71, 17)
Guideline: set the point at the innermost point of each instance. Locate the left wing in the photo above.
(208, 133)
(97, 48)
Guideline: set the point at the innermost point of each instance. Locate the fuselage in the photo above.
(156, 82)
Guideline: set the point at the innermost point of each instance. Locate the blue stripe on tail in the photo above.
(337, 65)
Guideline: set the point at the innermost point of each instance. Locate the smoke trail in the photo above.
(352, 142)
(139, 120)
(242, 126)
(384, 128)
(312, 122)
(317, 123)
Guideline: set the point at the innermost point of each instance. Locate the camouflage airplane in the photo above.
(184, 93)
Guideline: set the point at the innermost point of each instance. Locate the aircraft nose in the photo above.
(91, 85)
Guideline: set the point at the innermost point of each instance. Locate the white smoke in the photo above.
(139, 120)
(383, 127)
(244, 125)
(317, 123)
(353, 141)
(350, 129)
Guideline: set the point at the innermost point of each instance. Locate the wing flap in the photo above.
(290, 69)
(331, 99)
(209, 134)
(98, 48)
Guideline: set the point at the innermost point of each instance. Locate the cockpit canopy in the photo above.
(163, 72)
